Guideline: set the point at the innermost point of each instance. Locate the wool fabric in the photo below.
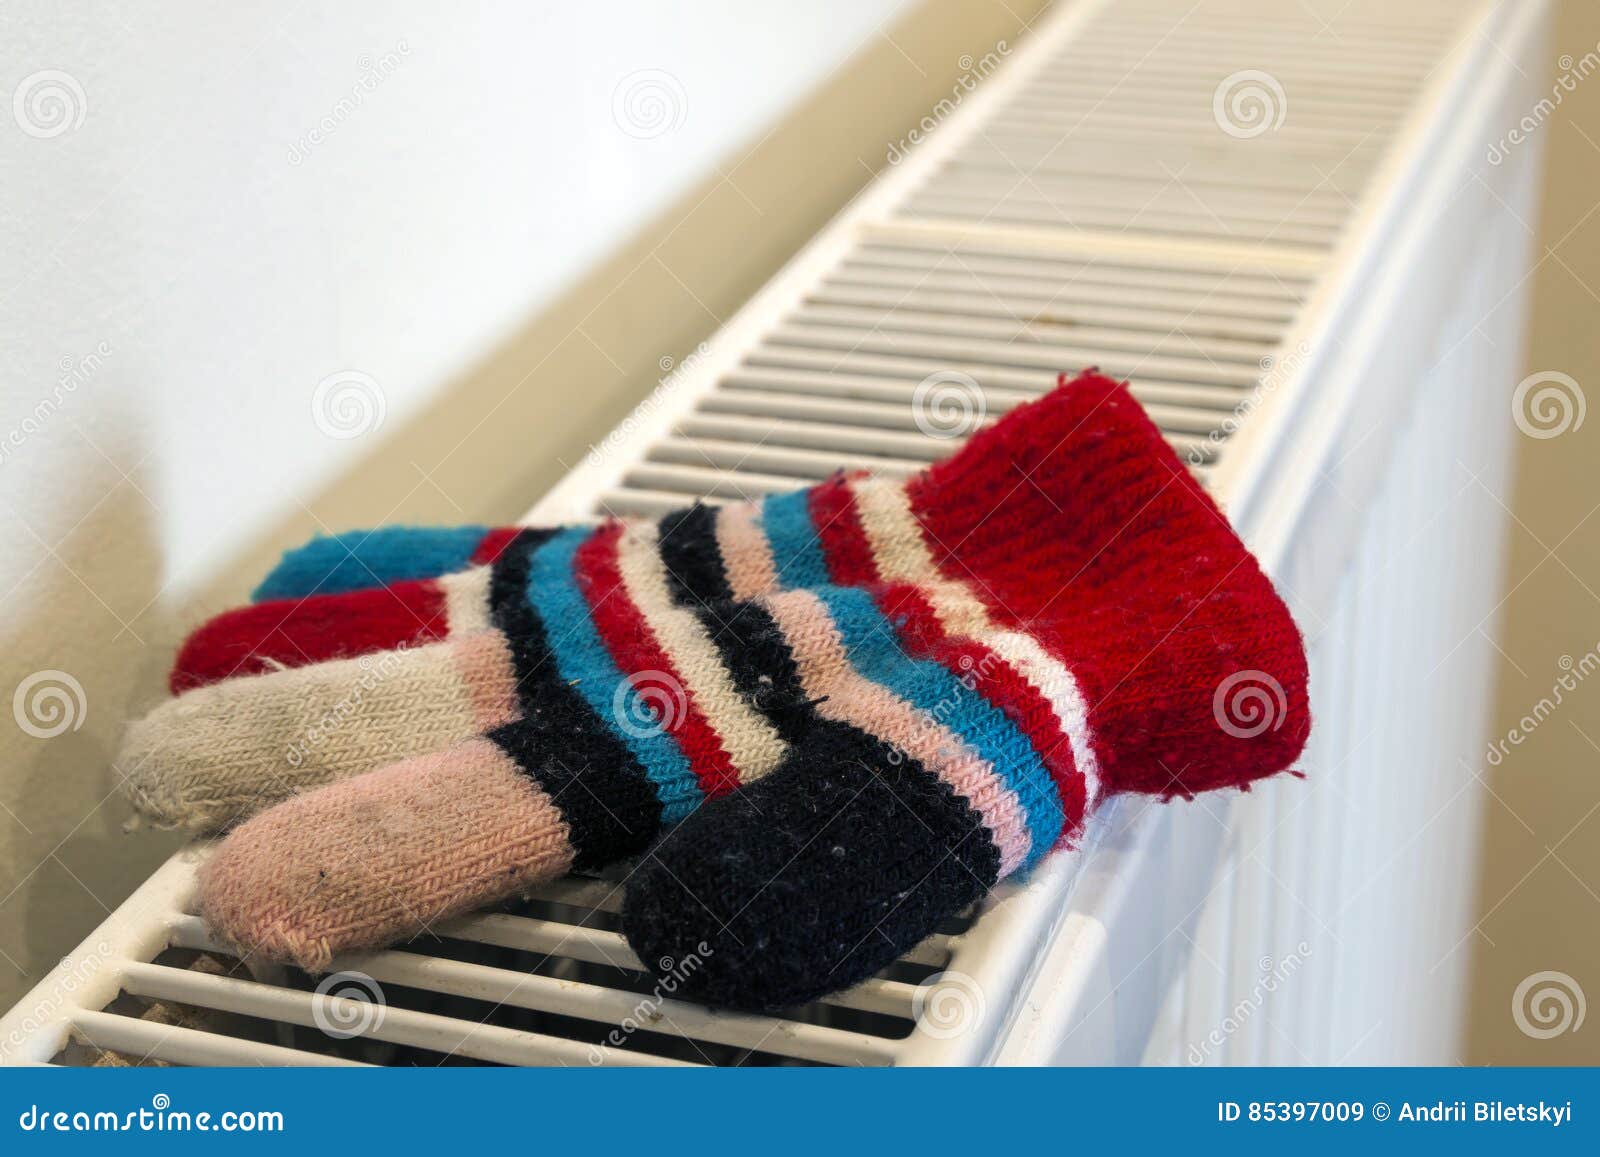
(640, 601)
(217, 754)
(362, 559)
(1134, 585)
(924, 688)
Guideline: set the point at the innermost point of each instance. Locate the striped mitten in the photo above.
(1139, 648)
(950, 768)
(975, 671)
(288, 695)
(346, 595)
(359, 560)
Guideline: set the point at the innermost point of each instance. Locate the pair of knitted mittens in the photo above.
(824, 722)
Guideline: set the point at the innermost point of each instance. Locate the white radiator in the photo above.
(1285, 232)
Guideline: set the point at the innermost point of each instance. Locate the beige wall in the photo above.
(1540, 885)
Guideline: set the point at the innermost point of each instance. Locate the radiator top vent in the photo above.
(1136, 196)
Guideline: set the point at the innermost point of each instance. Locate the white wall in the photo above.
(258, 197)
(182, 263)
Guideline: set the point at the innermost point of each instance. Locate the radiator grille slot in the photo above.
(836, 382)
(546, 980)
(1171, 128)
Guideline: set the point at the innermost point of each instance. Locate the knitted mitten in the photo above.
(346, 595)
(1145, 641)
(986, 696)
(362, 559)
(355, 680)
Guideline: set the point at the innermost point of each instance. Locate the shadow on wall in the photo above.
(78, 637)
(484, 450)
